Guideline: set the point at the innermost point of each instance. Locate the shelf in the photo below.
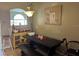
(19, 38)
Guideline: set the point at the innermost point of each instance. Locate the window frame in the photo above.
(19, 23)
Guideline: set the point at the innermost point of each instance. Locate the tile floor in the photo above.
(7, 48)
(9, 52)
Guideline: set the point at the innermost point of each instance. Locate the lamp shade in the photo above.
(29, 13)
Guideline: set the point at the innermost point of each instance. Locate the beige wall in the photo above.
(70, 21)
(5, 27)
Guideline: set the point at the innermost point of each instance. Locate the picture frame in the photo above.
(53, 15)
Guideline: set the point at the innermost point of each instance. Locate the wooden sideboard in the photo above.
(19, 38)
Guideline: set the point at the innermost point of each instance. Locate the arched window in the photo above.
(18, 18)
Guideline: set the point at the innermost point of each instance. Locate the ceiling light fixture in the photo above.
(29, 12)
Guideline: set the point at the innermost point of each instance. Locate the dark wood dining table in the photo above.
(49, 43)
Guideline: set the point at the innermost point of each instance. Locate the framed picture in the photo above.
(53, 14)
